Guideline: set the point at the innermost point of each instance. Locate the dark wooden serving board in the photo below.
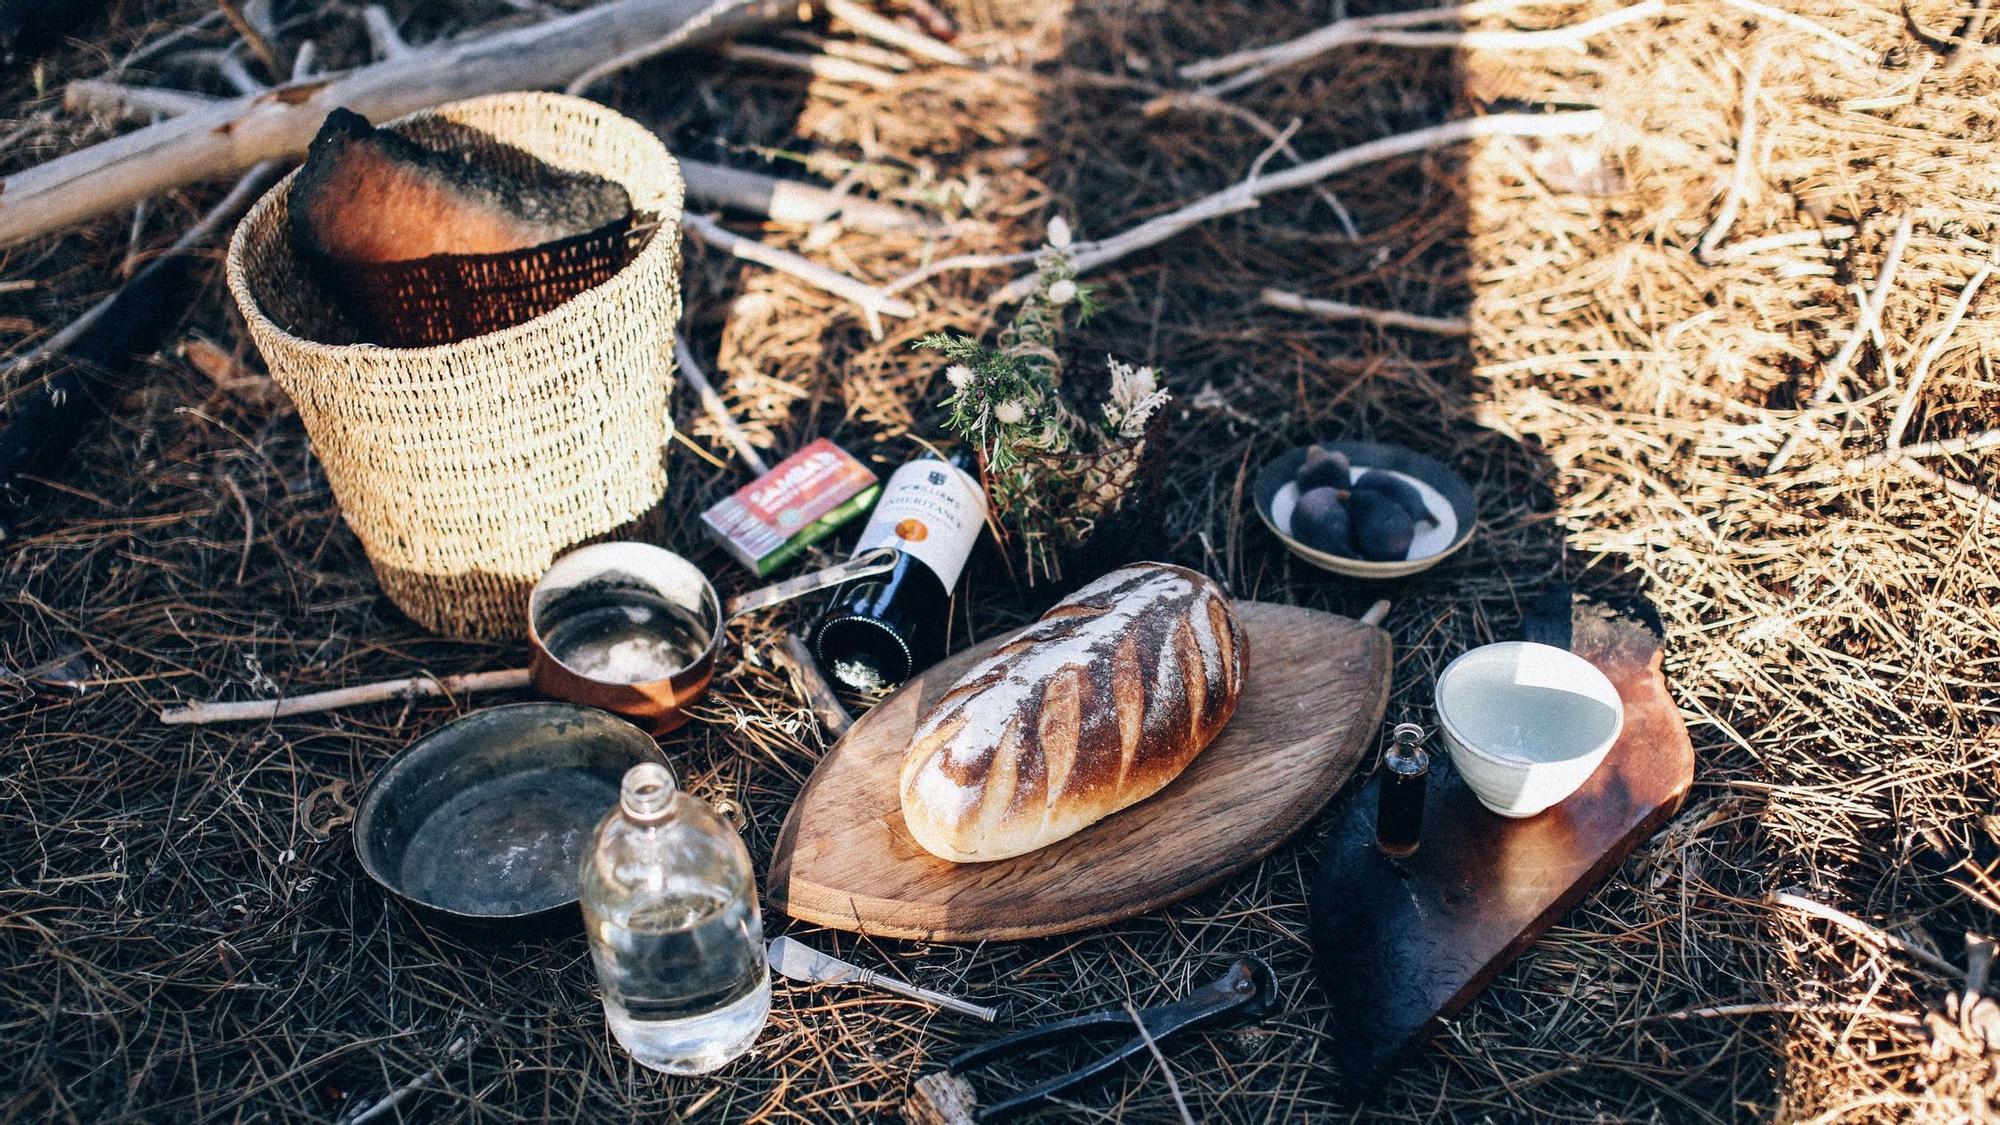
(1402, 944)
(1313, 696)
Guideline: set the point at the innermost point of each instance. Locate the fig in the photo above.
(1322, 469)
(1383, 530)
(1399, 490)
(1319, 520)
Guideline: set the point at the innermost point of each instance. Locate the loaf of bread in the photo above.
(1094, 707)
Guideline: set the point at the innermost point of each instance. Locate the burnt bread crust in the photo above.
(371, 195)
(1094, 707)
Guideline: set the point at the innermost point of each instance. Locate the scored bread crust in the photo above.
(1094, 707)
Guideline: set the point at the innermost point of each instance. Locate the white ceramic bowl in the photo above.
(1526, 723)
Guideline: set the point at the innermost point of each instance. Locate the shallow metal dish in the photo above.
(485, 819)
(1436, 479)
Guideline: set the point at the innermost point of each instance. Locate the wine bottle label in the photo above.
(931, 511)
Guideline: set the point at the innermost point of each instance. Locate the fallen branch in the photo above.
(819, 694)
(1386, 318)
(712, 404)
(1247, 193)
(716, 20)
(789, 201)
(90, 95)
(415, 687)
(103, 346)
(885, 30)
(1899, 423)
(1943, 447)
(1173, 1086)
(785, 201)
(1746, 162)
(1751, 247)
(1871, 315)
(233, 134)
(1311, 41)
(826, 67)
(1873, 934)
(409, 1089)
(874, 303)
(1377, 30)
(382, 34)
(1799, 23)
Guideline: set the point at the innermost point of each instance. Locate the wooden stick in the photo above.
(231, 135)
(874, 302)
(1247, 193)
(1847, 46)
(717, 409)
(959, 262)
(1387, 318)
(1173, 1086)
(1871, 315)
(1944, 447)
(884, 30)
(1985, 505)
(1864, 930)
(382, 34)
(1309, 43)
(415, 687)
(224, 212)
(790, 201)
(1751, 247)
(1372, 30)
(1900, 421)
(91, 95)
(819, 66)
(718, 19)
(819, 694)
(1746, 161)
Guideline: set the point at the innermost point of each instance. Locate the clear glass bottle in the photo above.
(670, 905)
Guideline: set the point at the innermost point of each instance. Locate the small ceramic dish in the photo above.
(1445, 493)
(1526, 723)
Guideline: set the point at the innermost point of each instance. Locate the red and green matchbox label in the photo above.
(767, 522)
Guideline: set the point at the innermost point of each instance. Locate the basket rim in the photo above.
(662, 243)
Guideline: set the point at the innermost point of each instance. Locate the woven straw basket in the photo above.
(465, 468)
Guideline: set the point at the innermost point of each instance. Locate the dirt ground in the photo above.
(186, 932)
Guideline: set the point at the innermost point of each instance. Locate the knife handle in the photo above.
(963, 1007)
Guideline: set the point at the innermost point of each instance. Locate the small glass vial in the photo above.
(1406, 767)
(670, 906)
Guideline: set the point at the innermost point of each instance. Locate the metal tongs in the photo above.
(1246, 993)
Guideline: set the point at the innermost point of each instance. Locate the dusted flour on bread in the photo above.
(1094, 707)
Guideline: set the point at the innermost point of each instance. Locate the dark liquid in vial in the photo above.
(1399, 821)
(623, 636)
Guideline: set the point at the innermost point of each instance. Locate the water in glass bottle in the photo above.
(670, 904)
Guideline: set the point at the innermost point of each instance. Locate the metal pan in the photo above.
(485, 819)
(635, 629)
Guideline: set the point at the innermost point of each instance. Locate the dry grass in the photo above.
(187, 935)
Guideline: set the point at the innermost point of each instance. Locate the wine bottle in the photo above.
(879, 631)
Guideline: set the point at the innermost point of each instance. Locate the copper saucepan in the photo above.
(635, 629)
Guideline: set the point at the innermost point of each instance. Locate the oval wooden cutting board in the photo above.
(1313, 696)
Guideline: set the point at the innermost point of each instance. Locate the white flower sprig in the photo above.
(1135, 395)
(1048, 467)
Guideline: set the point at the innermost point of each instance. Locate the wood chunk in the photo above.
(367, 195)
(1401, 945)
